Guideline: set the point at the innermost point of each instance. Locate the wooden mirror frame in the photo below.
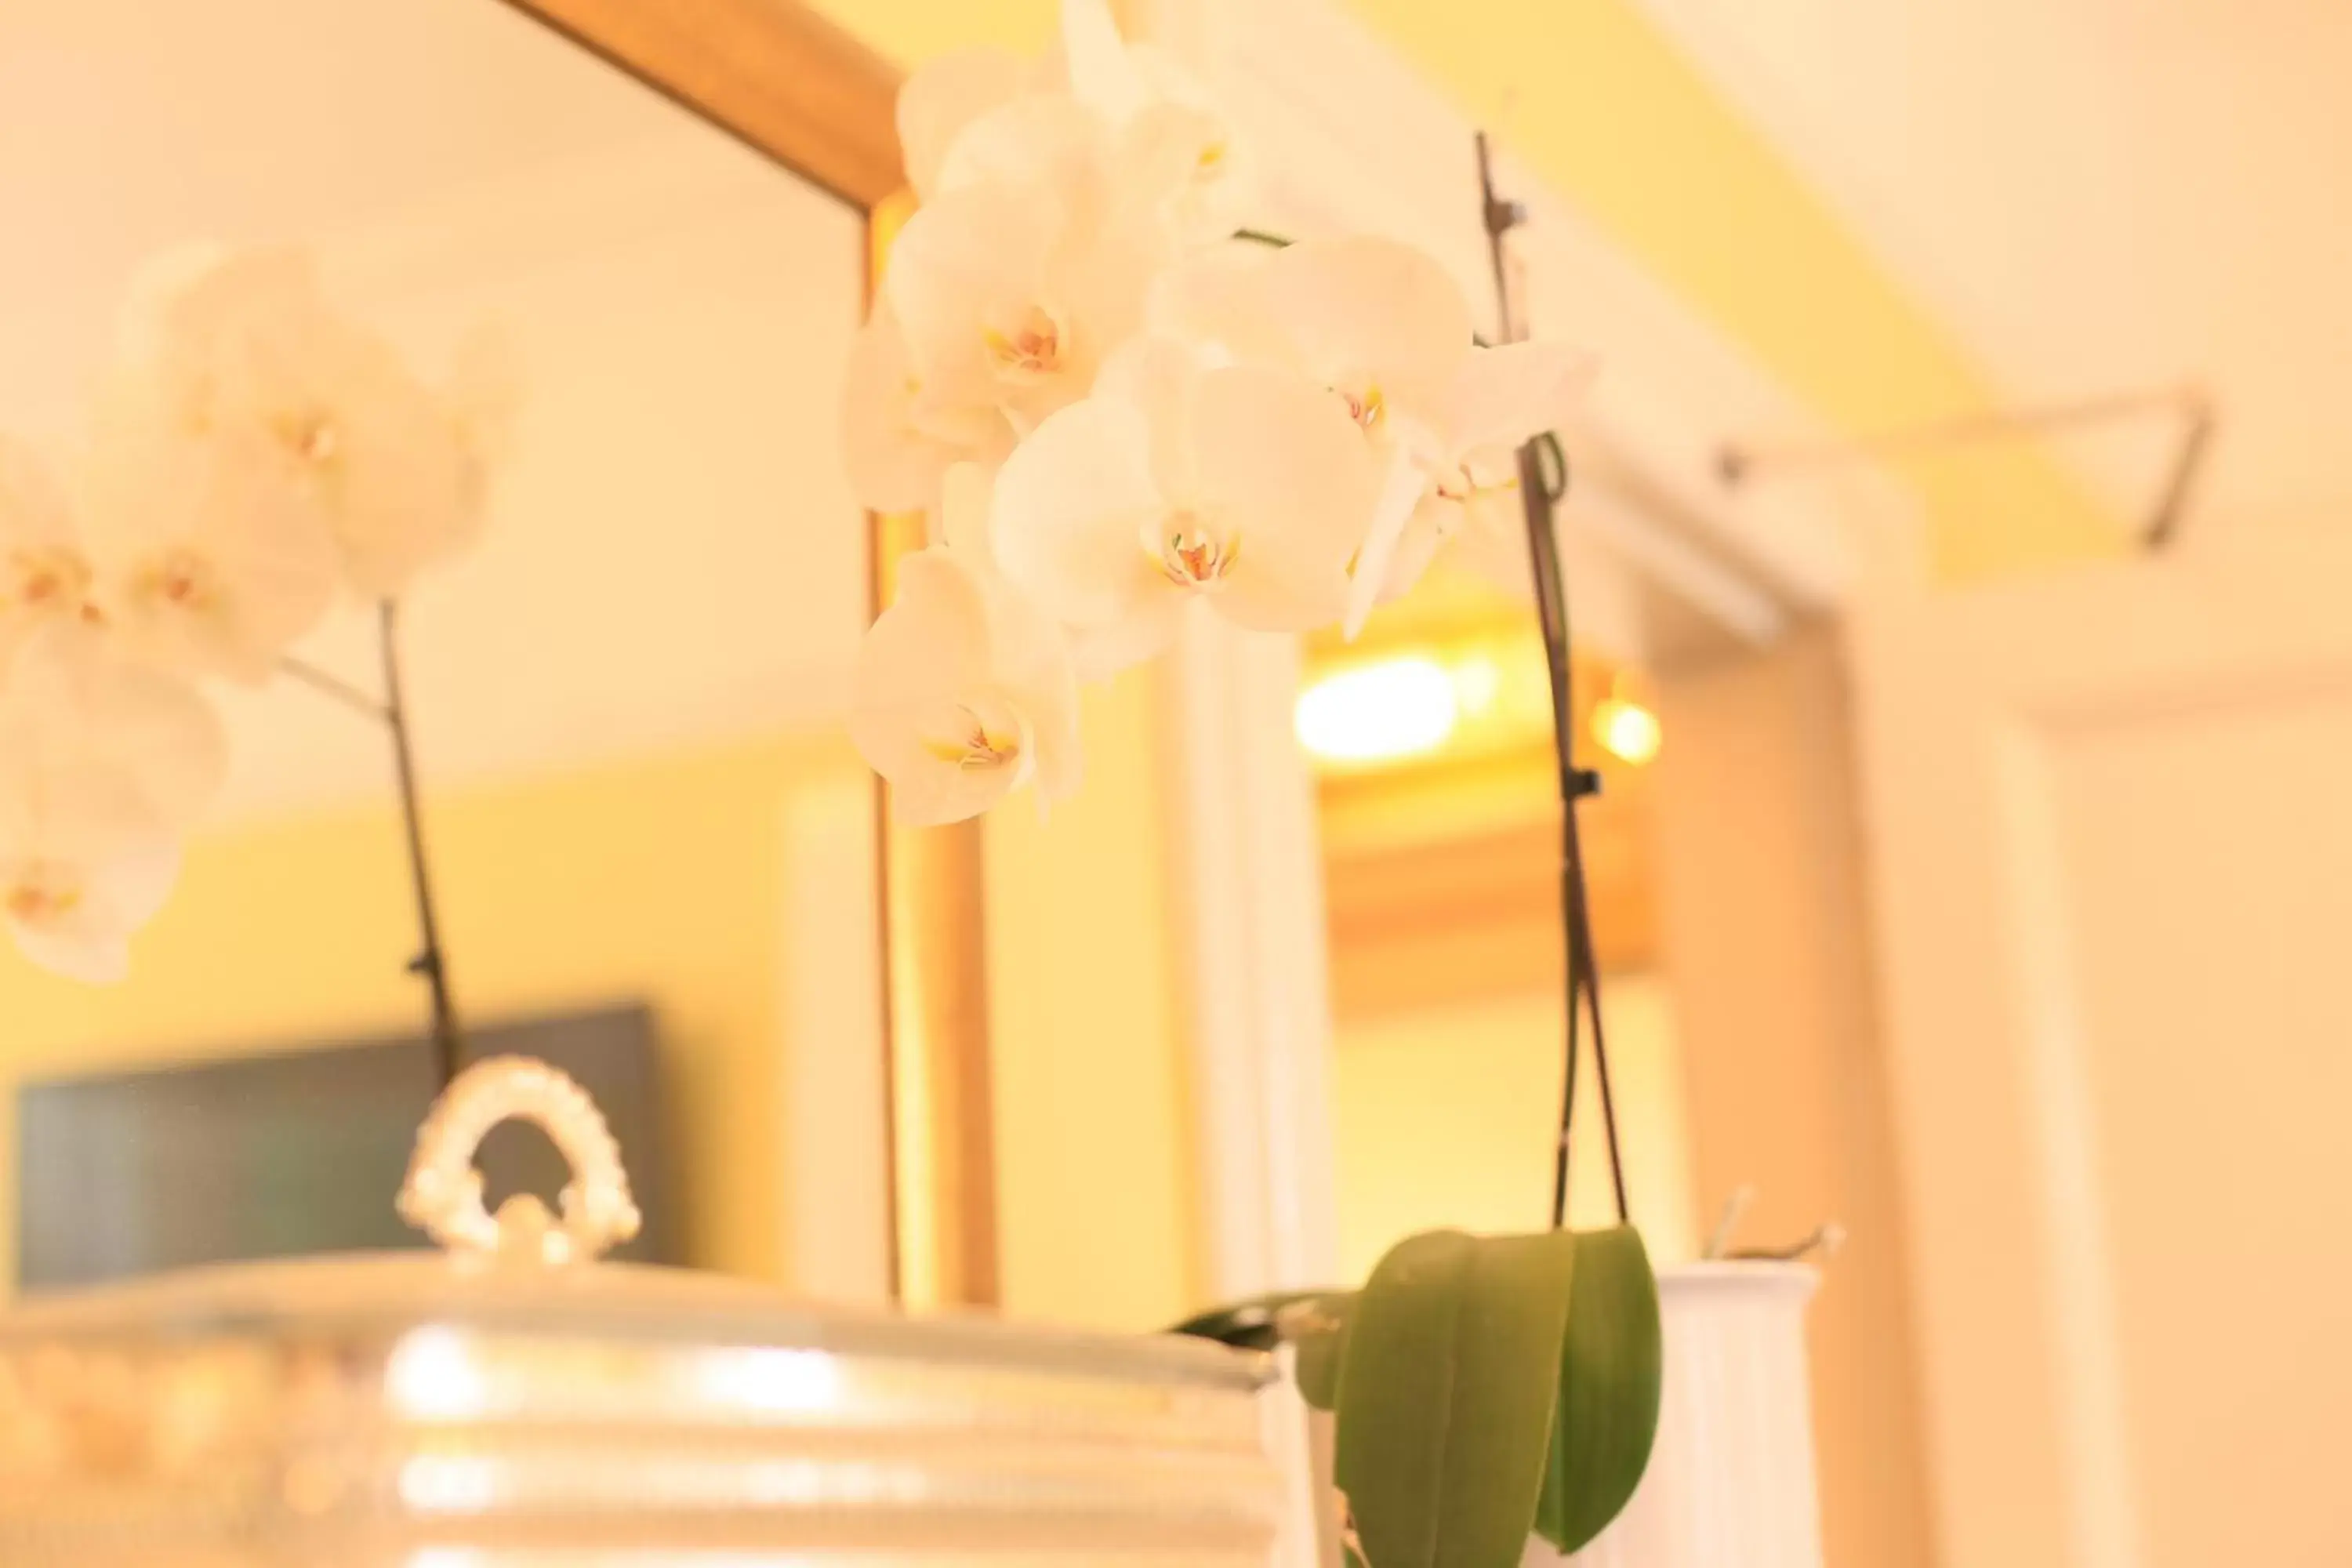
(797, 88)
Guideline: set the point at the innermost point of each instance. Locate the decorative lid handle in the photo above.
(442, 1194)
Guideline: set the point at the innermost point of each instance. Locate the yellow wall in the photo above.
(1095, 1169)
(1608, 110)
(660, 881)
(1445, 1117)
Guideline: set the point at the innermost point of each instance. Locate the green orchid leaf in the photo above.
(1322, 1349)
(1446, 1389)
(1610, 1376)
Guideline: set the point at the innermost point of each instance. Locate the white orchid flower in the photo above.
(899, 443)
(963, 690)
(1240, 486)
(44, 575)
(103, 765)
(241, 347)
(1388, 331)
(1502, 398)
(208, 560)
(1009, 298)
(945, 98)
(1119, 132)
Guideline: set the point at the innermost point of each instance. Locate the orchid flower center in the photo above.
(1367, 404)
(179, 579)
(1026, 346)
(970, 742)
(1192, 556)
(1463, 484)
(309, 434)
(48, 579)
(39, 895)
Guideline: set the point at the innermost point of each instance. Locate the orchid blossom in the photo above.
(1501, 399)
(1387, 329)
(103, 764)
(209, 562)
(44, 575)
(1241, 488)
(898, 444)
(964, 692)
(241, 352)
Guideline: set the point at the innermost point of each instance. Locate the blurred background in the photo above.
(1958, 562)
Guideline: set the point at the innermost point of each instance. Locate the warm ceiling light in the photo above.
(1627, 730)
(1378, 713)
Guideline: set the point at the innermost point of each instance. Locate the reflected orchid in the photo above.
(103, 764)
(209, 562)
(240, 348)
(44, 574)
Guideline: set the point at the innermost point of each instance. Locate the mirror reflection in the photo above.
(623, 699)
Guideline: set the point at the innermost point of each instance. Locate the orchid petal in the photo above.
(962, 693)
(239, 349)
(968, 276)
(966, 493)
(1218, 300)
(1403, 486)
(210, 556)
(1374, 312)
(1070, 506)
(1506, 396)
(1285, 475)
(72, 707)
(1049, 141)
(1160, 378)
(44, 575)
(74, 917)
(939, 102)
(894, 462)
(1102, 74)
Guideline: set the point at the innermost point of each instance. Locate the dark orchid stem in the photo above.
(392, 711)
(430, 960)
(1540, 491)
(333, 686)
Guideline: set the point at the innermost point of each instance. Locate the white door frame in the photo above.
(1964, 700)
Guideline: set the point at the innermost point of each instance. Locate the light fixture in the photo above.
(1625, 729)
(1379, 712)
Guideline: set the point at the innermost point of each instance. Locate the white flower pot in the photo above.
(1731, 1479)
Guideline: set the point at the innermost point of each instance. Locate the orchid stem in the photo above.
(430, 962)
(1539, 491)
(391, 710)
(335, 687)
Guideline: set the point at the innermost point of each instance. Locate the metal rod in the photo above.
(1737, 464)
(2173, 499)
(1583, 974)
(430, 962)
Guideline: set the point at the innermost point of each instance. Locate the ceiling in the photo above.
(2094, 195)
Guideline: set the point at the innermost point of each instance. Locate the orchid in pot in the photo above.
(1120, 409)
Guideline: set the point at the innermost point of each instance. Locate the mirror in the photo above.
(1437, 791)
(626, 699)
